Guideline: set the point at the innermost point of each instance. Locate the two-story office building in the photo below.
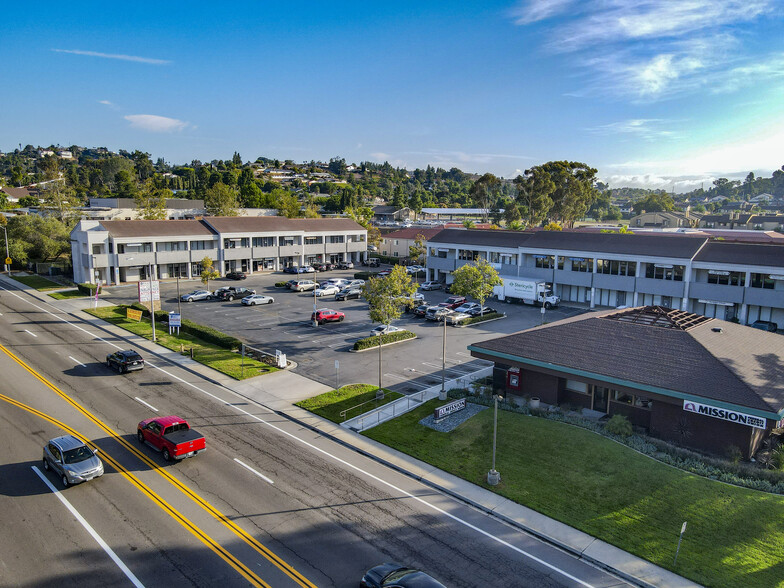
(126, 251)
(743, 281)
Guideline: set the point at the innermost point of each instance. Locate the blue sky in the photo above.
(652, 93)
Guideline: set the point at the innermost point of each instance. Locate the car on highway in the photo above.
(345, 265)
(236, 275)
(303, 285)
(231, 293)
(348, 293)
(455, 317)
(72, 460)
(125, 360)
(327, 290)
(420, 310)
(327, 315)
(765, 326)
(432, 286)
(172, 436)
(395, 575)
(255, 299)
(196, 295)
(385, 330)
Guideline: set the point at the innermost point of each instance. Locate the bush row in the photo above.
(204, 333)
(479, 319)
(86, 289)
(738, 474)
(369, 342)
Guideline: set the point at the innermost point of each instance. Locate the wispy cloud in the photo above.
(648, 129)
(106, 102)
(119, 56)
(653, 49)
(156, 124)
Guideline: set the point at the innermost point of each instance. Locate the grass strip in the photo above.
(67, 294)
(37, 282)
(734, 536)
(330, 404)
(213, 356)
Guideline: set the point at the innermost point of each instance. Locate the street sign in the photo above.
(175, 319)
(337, 364)
(8, 261)
(144, 291)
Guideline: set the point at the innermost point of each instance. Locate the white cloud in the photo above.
(640, 128)
(536, 10)
(121, 57)
(107, 102)
(156, 124)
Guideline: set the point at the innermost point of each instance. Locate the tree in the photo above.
(337, 166)
(533, 194)
(236, 159)
(574, 190)
(661, 202)
(418, 249)
(477, 280)
(61, 200)
(484, 192)
(221, 200)
(552, 226)
(151, 202)
(288, 205)
(34, 238)
(387, 297)
(208, 272)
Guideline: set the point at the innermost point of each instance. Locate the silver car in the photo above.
(72, 460)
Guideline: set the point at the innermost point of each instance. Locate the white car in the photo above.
(385, 330)
(355, 284)
(414, 269)
(431, 286)
(196, 295)
(327, 290)
(468, 307)
(255, 299)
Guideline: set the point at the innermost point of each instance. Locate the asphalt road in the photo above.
(268, 502)
(285, 325)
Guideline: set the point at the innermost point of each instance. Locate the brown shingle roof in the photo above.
(742, 253)
(263, 224)
(156, 228)
(412, 233)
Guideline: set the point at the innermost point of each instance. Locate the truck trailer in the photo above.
(527, 291)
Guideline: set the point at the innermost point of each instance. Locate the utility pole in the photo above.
(442, 394)
(493, 477)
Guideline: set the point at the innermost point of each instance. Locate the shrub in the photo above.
(619, 425)
(369, 342)
(734, 454)
(777, 458)
(363, 275)
(86, 289)
(205, 333)
(280, 284)
(479, 319)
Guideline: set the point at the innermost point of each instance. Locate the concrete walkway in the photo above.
(280, 390)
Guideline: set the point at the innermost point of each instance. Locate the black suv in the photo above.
(236, 275)
(232, 293)
(125, 361)
(765, 326)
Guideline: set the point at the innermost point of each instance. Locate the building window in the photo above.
(727, 278)
(313, 240)
(287, 241)
(236, 242)
(395, 254)
(657, 271)
(576, 386)
(263, 241)
(581, 264)
(615, 267)
(201, 245)
(468, 255)
(336, 238)
(545, 261)
(172, 246)
(762, 281)
(632, 399)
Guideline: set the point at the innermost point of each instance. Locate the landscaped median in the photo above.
(388, 339)
(490, 316)
(347, 402)
(206, 345)
(734, 536)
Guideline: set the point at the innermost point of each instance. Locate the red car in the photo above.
(327, 315)
(172, 436)
(453, 302)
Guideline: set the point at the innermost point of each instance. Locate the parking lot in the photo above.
(323, 353)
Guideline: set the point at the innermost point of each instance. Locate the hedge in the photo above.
(369, 342)
(478, 319)
(86, 289)
(205, 333)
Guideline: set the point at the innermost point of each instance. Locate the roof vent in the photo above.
(717, 329)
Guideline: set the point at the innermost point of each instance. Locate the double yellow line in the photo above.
(201, 535)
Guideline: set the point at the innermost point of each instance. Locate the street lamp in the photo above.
(493, 477)
(5, 231)
(152, 306)
(442, 394)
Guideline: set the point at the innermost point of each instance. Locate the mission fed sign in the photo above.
(724, 414)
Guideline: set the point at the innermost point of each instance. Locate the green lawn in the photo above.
(37, 282)
(218, 358)
(734, 537)
(330, 404)
(67, 294)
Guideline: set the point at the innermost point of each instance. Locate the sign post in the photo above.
(337, 375)
(683, 530)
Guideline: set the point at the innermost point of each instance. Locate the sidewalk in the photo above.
(280, 390)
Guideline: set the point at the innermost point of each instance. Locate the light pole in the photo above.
(493, 477)
(379, 393)
(152, 306)
(5, 231)
(179, 302)
(442, 394)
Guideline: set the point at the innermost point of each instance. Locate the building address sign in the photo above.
(724, 414)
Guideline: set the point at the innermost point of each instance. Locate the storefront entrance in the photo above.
(600, 398)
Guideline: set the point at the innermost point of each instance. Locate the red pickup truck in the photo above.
(172, 436)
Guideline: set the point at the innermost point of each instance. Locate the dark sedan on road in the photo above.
(348, 293)
(125, 361)
(395, 575)
(236, 275)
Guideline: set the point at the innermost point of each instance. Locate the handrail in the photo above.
(376, 399)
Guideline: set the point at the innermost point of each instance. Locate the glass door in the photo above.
(600, 398)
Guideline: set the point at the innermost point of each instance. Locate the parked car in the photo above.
(415, 269)
(346, 265)
(455, 317)
(236, 275)
(437, 313)
(339, 282)
(347, 293)
(395, 575)
(306, 269)
(383, 273)
(72, 460)
(219, 292)
(255, 299)
(355, 283)
(291, 269)
(324, 266)
(432, 286)
(196, 295)
(420, 310)
(231, 293)
(765, 326)
(385, 330)
(372, 262)
(124, 361)
(327, 290)
(454, 301)
(481, 311)
(327, 315)
(291, 283)
(172, 436)
(468, 307)
(303, 285)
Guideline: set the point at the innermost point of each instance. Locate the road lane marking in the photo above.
(260, 475)
(313, 447)
(33, 334)
(109, 551)
(150, 406)
(77, 361)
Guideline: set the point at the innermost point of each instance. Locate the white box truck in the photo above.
(527, 291)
